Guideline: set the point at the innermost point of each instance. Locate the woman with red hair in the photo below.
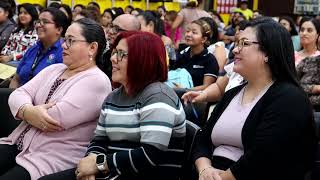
(141, 129)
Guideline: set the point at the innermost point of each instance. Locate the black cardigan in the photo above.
(279, 135)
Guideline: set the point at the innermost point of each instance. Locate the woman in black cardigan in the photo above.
(275, 139)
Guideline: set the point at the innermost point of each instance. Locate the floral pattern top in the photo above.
(18, 43)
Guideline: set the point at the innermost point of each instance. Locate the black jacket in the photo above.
(279, 136)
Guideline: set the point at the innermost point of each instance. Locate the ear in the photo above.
(93, 48)
(151, 26)
(60, 29)
(204, 40)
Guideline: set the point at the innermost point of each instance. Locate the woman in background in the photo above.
(23, 37)
(197, 60)
(51, 26)
(309, 32)
(288, 23)
(6, 25)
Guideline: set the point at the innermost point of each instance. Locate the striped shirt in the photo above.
(143, 136)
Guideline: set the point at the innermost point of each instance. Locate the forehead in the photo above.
(194, 26)
(74, 30)
(46, 15)
(123, 45)
(308, 24)
(119, 22)
(283, 21)
(249, 33)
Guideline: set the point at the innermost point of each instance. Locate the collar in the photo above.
(56, 45)
(186, 52)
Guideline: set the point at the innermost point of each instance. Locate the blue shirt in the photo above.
(53, 55)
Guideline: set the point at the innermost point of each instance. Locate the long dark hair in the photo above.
(32, 11)
(151, 16)
(293, 31)
(275, 41)
(214, 29)
(93, 32)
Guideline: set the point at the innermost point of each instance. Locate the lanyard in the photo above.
(35, 64)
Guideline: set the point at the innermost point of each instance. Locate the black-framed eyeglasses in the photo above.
(69, 41)
(115, 29)
(244, 43)
(43, 22)
(120, 54)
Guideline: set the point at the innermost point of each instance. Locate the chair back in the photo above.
(188, 167)
(8, 122)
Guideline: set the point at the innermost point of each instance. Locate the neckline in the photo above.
(256, 98)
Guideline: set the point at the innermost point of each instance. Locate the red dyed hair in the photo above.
(146, 59)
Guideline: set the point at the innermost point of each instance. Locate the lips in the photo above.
(114, 69)
(64, 54)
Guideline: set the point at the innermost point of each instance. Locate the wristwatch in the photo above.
(101, 161)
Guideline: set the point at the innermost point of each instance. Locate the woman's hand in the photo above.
(194, 96)
(87, 167)
(91, 177)
(211, 173)
(38, 117)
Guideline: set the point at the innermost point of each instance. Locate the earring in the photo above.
(266, 60)
(90, 58)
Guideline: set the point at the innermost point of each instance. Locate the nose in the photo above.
(236, 50)
(64, 46)
(113, 58)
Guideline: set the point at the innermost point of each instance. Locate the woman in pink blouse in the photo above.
(23, 37)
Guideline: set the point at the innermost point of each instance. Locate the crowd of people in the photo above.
(95, 91)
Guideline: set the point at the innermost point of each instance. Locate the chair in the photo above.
(188, 168)
(8, 122)
(314, 174)
(195, 112)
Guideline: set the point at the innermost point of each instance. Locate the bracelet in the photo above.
(23, 109)
(204, 170)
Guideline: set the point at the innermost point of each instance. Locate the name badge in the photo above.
(50, 58)
(198, 67)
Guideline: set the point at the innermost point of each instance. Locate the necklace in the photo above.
(256, 95)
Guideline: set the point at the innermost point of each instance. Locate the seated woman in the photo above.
(289, 24)
(59, 109)
(141, 129)
(201, 64)
(50, 27)
(23, 37)
(263, 129)
(6, 25)
(309, 32)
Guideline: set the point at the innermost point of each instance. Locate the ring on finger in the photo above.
(43, 126)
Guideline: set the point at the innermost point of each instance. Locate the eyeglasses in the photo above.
(43, 22)
(115, 29)
(68, 41)
(244, 43)
(120, 54)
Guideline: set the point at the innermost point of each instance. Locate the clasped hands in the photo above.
(38, 117)
(87, 168)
